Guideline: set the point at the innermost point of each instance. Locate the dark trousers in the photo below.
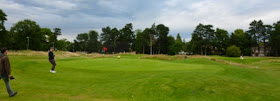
(53, 63)
(6, 80)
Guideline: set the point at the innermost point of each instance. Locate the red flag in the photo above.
(104, 48)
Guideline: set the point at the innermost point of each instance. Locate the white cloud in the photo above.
(110, 5)
(56, 4)
(181, 16)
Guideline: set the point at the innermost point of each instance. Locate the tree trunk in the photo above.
(205, 51)
(114, 46)
(151, 45)
(85, 47)
(201, 50)
(153, 50)
(258, 43)
(251, 48)
(143, 49)
(159, 49)
(264, 47)
(277, 52)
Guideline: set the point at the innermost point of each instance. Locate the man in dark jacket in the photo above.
(5, 71)
(51, 59)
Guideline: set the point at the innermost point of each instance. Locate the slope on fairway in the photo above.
(131, 78)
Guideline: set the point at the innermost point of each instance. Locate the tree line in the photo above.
(260, 38)
(206, 40)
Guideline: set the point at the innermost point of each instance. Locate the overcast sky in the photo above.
(181, 16)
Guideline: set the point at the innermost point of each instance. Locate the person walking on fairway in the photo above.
(51, 59)
(5, 71)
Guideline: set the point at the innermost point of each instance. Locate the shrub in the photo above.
(171, 50)
(233, 51)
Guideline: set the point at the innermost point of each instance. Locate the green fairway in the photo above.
(133, 79)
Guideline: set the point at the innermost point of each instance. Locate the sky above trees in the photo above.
(181, 16)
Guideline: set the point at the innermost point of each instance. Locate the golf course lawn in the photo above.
(133, 79)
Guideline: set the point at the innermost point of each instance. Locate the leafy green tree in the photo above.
(233, 51)
(63, 44)
(23, 29)
(93, 44)
(47, 34)
(81, 41)
(57, 32)
(77, 46)
(115, 37)
(162, 39)
(241, 39)
(126, 38)
(138, 42)
(3, 17)
(256, 28)
(178, 46)
(209, 39)
(221, 41)
(265, 37)
(138, 47)
(179, 38)
(152, 33)
(142, 41)
(53, 37)
(188, 47)
(184, 45)
(3, 33)
(71, 47)
(275, 40)
(171, 45)
(106, 38)
(202, 38)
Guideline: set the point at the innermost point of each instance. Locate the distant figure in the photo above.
(5, 71)
(51, 59)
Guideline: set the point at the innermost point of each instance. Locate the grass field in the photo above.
(133, 79)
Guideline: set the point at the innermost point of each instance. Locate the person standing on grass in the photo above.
(5, 71)
(51, 59)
